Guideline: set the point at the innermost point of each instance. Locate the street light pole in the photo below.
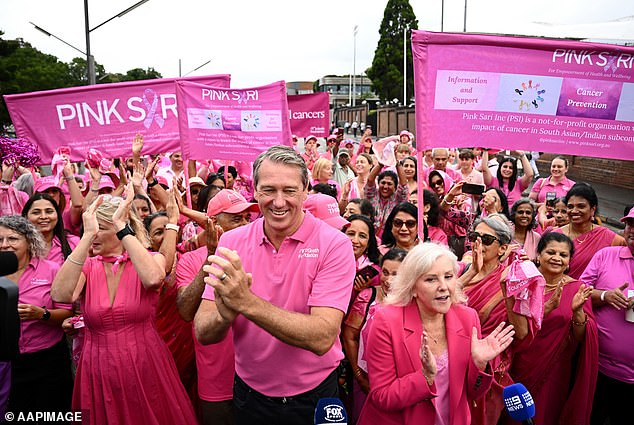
(354, 67)
(90, 60)
(405, 66)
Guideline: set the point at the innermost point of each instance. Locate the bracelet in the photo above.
(603, 296)
(153, 183)
(449, 202)
(585, 320)
(69, 178)
(358, 372)
(170, 226)
(72, 260)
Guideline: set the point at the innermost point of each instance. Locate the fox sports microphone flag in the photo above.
(330, 411)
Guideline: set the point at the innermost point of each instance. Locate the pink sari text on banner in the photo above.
(105, 117)
(523, 93)
(309, 114)
(231, 124)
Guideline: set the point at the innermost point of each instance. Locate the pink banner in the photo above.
(105, 117)
(233, 124)
(309, 114)
(523, 93)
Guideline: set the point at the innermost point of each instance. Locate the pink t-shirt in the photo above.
(609, 268)
(314, 267)
(55, 254)
(543, 186)
(215, 362)
(512, 195)
(473, 177)
(34, 288)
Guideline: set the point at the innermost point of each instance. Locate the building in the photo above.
(339, 88)
(299, 87)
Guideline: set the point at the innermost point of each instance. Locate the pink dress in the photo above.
(126, 374)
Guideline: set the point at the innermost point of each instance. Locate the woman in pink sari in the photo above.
(560, 366)
(588, 237)
(484, 284)
(523, 217)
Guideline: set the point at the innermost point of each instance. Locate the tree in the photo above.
(25, 69)
(386, 71)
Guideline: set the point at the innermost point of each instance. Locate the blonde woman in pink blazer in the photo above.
(426, 361)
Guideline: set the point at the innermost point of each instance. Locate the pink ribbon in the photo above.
(151, 110)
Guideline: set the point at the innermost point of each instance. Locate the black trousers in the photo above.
(611, 401)
(42, 381)
(254, 408)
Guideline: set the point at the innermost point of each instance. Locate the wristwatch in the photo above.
(152, 183)
(46, 315)
(127, 230)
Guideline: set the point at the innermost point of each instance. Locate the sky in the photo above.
(259, 42)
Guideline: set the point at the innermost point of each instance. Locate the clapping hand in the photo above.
(581, 297)
(485, 350)
(428, 360)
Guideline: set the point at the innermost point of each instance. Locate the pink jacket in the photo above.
(399, 393)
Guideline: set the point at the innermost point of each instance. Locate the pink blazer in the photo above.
(399, 393)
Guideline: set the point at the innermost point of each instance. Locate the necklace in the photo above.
(576, 238)
(549, 287)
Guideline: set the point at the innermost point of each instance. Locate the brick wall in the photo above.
(594, 170)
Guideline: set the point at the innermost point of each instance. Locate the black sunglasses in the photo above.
(486, 239)
(398, 223)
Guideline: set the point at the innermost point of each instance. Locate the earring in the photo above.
(537, 263)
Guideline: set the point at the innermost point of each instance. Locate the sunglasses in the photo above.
(398, 223)
(437, 183)
(486, 239)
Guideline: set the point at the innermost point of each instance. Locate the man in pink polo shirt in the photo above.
(282, 285)
(215, 363)
(611, 274)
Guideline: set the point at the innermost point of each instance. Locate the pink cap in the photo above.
(105, 182)
(44, 183)
(628, 216)
(162, 180)
(325, 208)
(229, 201)
(405, 133)
(332, 137)
(313, 138)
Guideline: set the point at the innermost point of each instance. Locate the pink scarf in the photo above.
(116, 260)
(526, 284)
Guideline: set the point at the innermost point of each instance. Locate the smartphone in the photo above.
(368, 272)
(340, 130)
(551, 196)
(473, 188)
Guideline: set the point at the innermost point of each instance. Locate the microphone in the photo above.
(8, 263)
(330, 411)
(519, 403)
(9, 319)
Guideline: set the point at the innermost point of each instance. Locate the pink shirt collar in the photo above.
(301, 235)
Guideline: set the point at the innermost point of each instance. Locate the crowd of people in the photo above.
(156, 289)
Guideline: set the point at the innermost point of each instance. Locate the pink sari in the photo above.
(586, 246)
(485, 296)
(561, 383)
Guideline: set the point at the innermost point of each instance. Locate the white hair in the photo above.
(417, 262)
